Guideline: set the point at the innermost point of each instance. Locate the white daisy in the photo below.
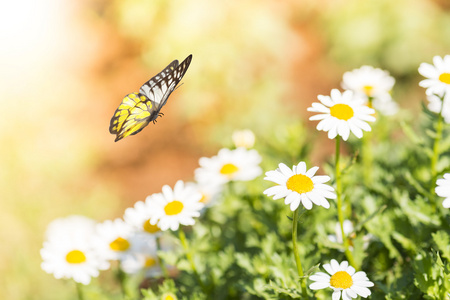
(139, 217)
(71, 257)
(143, 256)
(337, 238)
(210, 192)
(348, 229)
(174, 207)
(343, 280)
(443, 189)
(114, 239)
(368, 82)
(243, 138)
(299, 185)
(342, 113)
(238, 165)
(438, 76)
(435, 105)
(74, 225)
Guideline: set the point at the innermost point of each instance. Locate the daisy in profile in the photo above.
(71, 257)
(374, 86)
(343, 280)
(243, 138)
(114, 239)
(175, 207)
(210, 192)
(299, 185)
(229, 165)
(443, 189)
(139, 217)
(438, 76)
(342, 113)
(169, 296)
(435, 105)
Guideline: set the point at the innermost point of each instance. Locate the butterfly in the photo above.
(137, 110)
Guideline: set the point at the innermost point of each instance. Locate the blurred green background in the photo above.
(66, 65)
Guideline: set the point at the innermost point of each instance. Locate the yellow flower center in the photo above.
(368, 90)
(173, 208)
(119, 244)
(150, 262)
(300, 183)
(445, 78)
(75, 257)
(341, 111)
(204, 199)
(341, 280)
(150, 228)
(169, 297)
(228, 169)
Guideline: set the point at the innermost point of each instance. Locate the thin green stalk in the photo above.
(79, 291)
(296, 254)
(348, 253)
(161, 262)
(435, 157)
(122, 276)
(190, 259)
(367, 156)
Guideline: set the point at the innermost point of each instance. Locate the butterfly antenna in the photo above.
(178, 86)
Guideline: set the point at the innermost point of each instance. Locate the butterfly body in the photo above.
(137, 110)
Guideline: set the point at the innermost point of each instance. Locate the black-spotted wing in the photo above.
(139, 109)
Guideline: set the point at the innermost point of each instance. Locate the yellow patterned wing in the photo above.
(132, 115)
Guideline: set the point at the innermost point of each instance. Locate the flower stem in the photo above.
(190, 259)
(296, 254)
(348, 254)
(435, 157)
(122, 277)
(161, 262)
(79, 291)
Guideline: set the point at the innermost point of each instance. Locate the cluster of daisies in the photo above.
(78, 248)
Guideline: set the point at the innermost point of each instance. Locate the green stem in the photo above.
(122, 276)
(80, 291)
(435, 157)
(296, 254)
(348, 254)
(161, 263)
(190, 258)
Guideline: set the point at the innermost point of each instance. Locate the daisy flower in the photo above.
(342, 113)
(243, 138)
(209, 192)
(337, 238)
(343, 280)
(371, 83)
(229, 165)
(71, 258)
(142, 257)
(438, 76)
(114, 239)
(443, 189)
(435, 105)
(174, 207)
(169, 296)
(139, 217)
(74, 225)
(299, 185)
(348, 229)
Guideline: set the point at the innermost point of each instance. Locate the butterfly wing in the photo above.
(159, 91)
(132, 115)
(139, 109)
